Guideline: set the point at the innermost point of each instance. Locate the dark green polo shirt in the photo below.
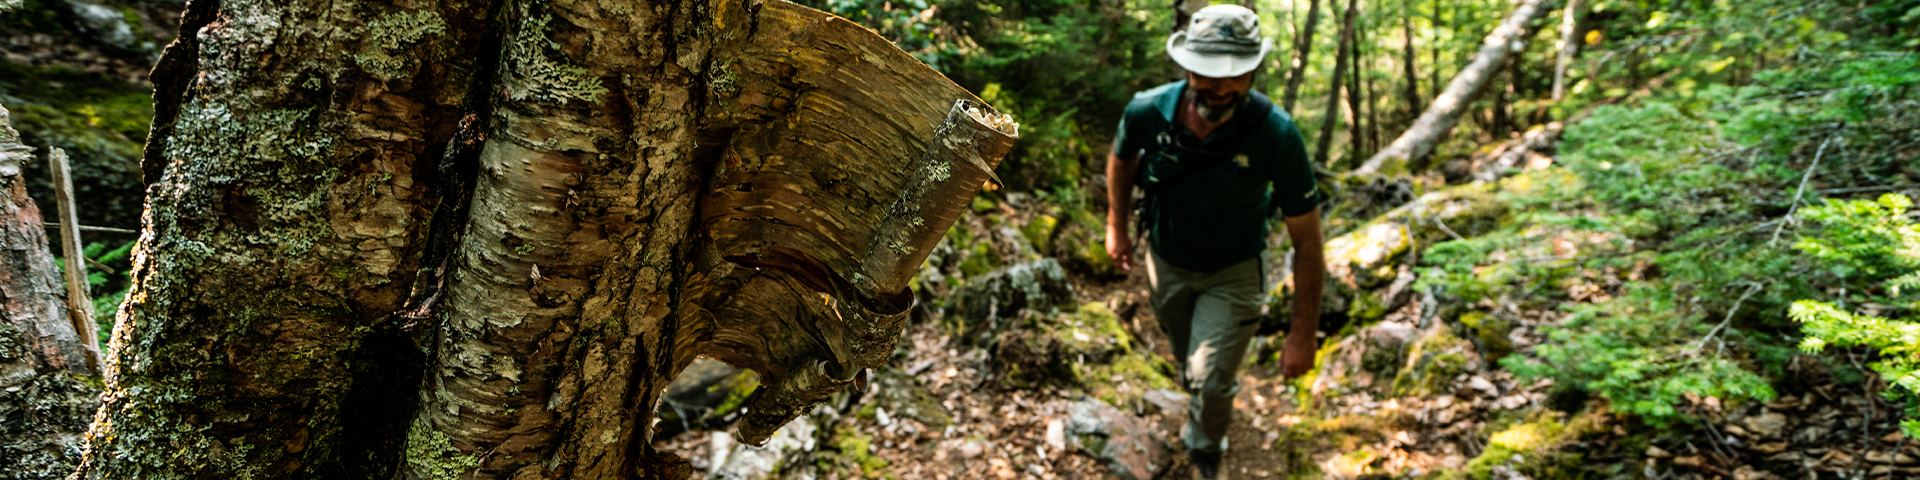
(1216, 216)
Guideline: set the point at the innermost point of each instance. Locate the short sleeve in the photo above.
(1295, 190)
(1134, 130)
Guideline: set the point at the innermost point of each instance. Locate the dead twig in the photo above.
(1443, 228)
(90, 228)
(1751, 289)
(1802, 189)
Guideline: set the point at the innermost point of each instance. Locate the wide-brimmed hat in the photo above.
(1220, 41)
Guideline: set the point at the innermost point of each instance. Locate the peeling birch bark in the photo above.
(44, 398)
(284, 223)
(1416, 145)
(478, 241)
(763, 198)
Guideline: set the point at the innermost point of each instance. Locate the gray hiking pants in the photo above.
(1210, 317)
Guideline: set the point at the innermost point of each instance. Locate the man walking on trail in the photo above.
(1215, 158)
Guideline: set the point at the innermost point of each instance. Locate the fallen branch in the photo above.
(1802, 189)
(1417, 143)
(1751, 289)
(90, 228)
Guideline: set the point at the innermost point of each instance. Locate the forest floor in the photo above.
(1414, 392)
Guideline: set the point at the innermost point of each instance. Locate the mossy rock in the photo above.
(1080, 244)
(1087, 349)
(985, 306)
(1492, 332)
(1432, 362)
(853, 448)
(904, 397)
(1039, 231)
(1537, 442)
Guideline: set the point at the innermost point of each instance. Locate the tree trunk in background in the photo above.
(1303, 45)
(1569, 45)
(1408, 68)
(1356, 114)
(357, 264)
(45, 400)
(1373, 112)
(1322, 154)
(1416, 144)
(1433, 66)
(1502, 117)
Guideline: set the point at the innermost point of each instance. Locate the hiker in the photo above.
(1215, 158)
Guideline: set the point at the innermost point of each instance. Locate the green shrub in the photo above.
(1875, 245)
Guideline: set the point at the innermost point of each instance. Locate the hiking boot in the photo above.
(1206, 465)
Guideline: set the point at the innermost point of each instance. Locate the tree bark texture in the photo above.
(1416, 144)
(478, 240)
(46, 395)
(1303, 45)
(1323, 152)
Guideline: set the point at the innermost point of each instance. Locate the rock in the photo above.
(746, 462)
(972, 448)
(1124, 441)
(899, 395)
(1654, 451)
(1170, 402)
(1001, 294)
(704, 397)
(1056, 435)
(106, 24)
(1768, 425)
(1480, 384)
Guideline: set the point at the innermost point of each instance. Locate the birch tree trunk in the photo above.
(1416, 144)
(45, 398)
(1303, 45)
(477, 240)
(1322, 154)
(1569, 45)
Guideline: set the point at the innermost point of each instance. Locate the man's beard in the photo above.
(1215, 113)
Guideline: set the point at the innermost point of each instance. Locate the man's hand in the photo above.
(1120, 247)
(1296, 354)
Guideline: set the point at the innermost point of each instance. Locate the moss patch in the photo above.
(384, 54)
(431, 453)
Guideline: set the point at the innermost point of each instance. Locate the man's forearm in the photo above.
(1309, 271)
(1309, 276)
(1120, 181)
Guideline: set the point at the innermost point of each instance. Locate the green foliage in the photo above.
(1639, 351)
(115, 281)
(1871, 242)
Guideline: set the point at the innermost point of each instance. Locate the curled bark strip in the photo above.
(839, 172)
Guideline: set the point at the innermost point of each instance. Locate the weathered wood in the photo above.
(1417, 142)
(760, 193)
(848, 209)
(79, 303)
(45, 400)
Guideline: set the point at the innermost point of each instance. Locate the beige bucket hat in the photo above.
(1220, 41)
